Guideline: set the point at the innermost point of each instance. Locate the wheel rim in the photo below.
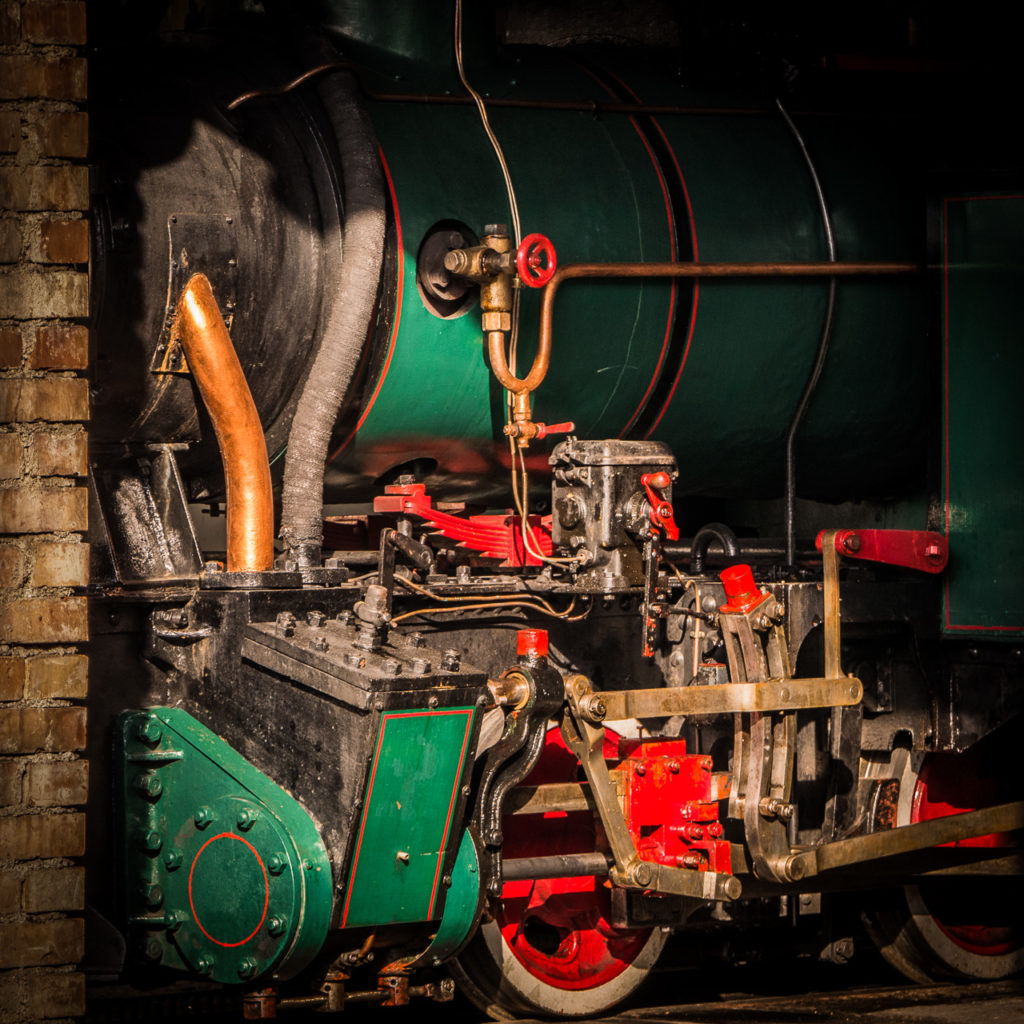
(951, 784)
(551, 946)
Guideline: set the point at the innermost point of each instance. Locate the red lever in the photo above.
(911, 549)
(662, 515)
(543, 429)
(531, 255)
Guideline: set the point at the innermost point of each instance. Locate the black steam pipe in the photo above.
(703, 538)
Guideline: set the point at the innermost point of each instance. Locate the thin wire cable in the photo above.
(512, 603)
(496, 599)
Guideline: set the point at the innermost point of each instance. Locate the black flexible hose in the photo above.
(822, 353)
(347, 321)
(703, 538)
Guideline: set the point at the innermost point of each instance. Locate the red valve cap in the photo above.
(740, 589)
(532, 643)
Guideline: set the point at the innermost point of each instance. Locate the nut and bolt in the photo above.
(689, 860)
(172, 859)
(203, 816)
(152, 895)
(673, 767)
(247, 818)
(451, 660)
(204, 963)
(432, 702)
(213, 567)
(247, 968)
(345, 617)
(149, 842)
(315, 618)
(715, 830)
(354, 660)
(391, 667)
(420, 666)
(593, 708)
(641, 874)
(851, 543)
(640, 768)
(462, 573)
(276, 863)
(285, 623)
(173, 920)
(416, 640)
(148, 785)
(320, 643)
(149, 730)
(692, 831)
(277, 925)
(152, 949)
(773, 807)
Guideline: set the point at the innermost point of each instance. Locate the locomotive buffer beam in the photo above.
(725, 698)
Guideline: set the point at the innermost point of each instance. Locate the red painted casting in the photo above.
(911, 549)
(740, 590)
(662, 514)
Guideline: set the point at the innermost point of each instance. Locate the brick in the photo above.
(60, 241)
(65, 134)
(12, 678)
(11, 772)
(28, 77)
(10, 23)
(41, 730)
(52, 453)
(61, 564)
(34, 996)
(34, 292)
(54, 22)
(54, 889)
(44, 188)
(63, 677)
(12, 567)
(10, 893)
(59, 400)
(59, 347)
(28, 836)
(10, 346)
(42, 943)
(10, 128)
(12, 463)
(57, 783)
(45, 621)
(43, 510)
(10, 240)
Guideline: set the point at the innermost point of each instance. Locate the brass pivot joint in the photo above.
(492, 265)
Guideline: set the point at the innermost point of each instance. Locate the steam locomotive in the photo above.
(536, 505)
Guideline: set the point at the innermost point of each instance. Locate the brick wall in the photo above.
(44, 407)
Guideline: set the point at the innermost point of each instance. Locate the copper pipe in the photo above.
(572, 271)
(218, 374)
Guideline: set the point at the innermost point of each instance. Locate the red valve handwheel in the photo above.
(529, 260)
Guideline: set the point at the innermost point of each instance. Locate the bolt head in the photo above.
(149, 841)
(277, 925)
(172, 859)
(203, 816)
(276, 863)
(204, 963)
(247, 818)
(149, 730)
(148, 785)
(247, 968)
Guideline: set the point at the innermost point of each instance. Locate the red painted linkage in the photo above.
(912, 549)
(493, 536)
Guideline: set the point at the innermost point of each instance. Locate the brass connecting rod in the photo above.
(218, 374)
(521, 388)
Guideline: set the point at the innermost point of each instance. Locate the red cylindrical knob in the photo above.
(740, 589)
(532, 643)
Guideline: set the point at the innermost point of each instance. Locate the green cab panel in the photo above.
(224, 874)
(983, 285)
(406, 836)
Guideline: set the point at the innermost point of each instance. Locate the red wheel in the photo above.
(536, 260)
(551, 947)
(948, 929)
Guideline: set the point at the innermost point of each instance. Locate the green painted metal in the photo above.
(619, 188)
(224, 874)
(405, 835)
(983, 284)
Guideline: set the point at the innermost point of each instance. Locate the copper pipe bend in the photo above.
(218, 374)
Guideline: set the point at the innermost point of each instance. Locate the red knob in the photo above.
(741, 591)
(532, 643)
(531, 256)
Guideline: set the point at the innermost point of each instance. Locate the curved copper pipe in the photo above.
(218, 374)
(571, 271)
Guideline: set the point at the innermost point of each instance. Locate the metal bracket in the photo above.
(585, 740)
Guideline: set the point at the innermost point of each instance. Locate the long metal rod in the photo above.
(218, 374)
(822, 351)
(905, 839)
(568, 865)
(639, 269)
